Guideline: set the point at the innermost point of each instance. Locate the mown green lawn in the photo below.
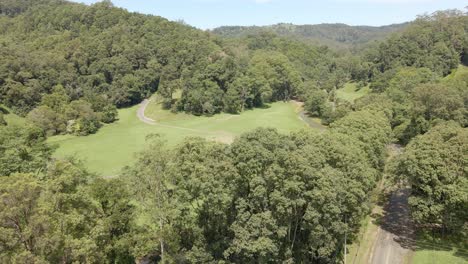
(350, 92)
(429, 251)
(115, 145)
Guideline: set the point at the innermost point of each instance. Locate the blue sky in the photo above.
(208, 14)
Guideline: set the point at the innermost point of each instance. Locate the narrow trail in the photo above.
(141, 113)
(395, 234)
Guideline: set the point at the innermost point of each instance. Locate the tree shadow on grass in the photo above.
(263, 106)
(396, 219)
(435, 241)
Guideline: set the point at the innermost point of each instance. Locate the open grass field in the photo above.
(350, 92)
(115, 145)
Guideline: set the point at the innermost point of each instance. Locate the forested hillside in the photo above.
(266, 198)
(71, 62)
(68, 65)
(333, 35)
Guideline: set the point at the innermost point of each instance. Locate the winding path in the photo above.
(141, 113)
(149, 121)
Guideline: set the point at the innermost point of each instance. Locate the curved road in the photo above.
(149, 121)
(141, 113)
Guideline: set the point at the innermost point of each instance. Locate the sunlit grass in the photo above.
(114, 145)
(350, 92)
(435, 250)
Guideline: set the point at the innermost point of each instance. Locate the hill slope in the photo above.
(335, 35)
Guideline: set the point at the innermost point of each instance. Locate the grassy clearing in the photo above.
(14, 119)
(435, 250)
(350, 92)
(113, 147)
(458, 73)
(11, 118)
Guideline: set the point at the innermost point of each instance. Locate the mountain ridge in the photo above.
(336, 35)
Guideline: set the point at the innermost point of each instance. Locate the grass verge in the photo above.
(431, 249)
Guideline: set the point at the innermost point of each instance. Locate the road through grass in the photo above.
(114, 145)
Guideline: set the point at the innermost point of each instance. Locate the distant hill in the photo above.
(334, 35)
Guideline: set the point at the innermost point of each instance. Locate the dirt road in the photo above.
(395, 233)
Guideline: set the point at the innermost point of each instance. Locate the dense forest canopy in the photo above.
(266, 198)
(333, 35)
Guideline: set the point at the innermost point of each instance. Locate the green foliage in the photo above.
(415, 100)
(117, 215)
(434, 164)
(3, 122)
(372, 129)
(317, 102)
(22, 149)
(335, 111)
(433, 41)
(265, 197)
(281, 78)
(19, 195)
(73, 51)
(82, 119)
(440, 102)
(109, 114)
(48, 120)
(61, 217)
(332, 35)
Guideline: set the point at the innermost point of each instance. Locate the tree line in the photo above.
(266, 198)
